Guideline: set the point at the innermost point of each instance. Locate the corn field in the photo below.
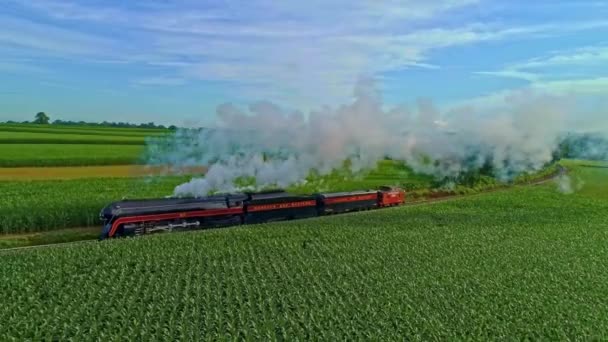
(528, 263)
(46, 205)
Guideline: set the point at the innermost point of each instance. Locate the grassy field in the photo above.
(527, 263)
(24, 155)
(51, 145)
(70, 172)
(79, 172)
(56, 138)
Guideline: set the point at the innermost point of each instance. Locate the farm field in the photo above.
(51, 145)
(32, 206)
(36, 155)
(77, 202)
(87, 130)
(65, 184)
(63, 138)
(78, 172)
(526, 263)
(70, 172)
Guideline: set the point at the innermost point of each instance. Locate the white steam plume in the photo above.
(280, 148)
(564, 184)
(567, 185)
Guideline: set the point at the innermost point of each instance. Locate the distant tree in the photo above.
(172, 127)
(42, 118)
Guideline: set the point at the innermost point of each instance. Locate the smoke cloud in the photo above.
(278, 147)
(567, 185)
(564, 184)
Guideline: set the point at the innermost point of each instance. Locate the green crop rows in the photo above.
(72, 203)
(528, 263)
(14, 155)
(56, 138)
(82, 130)
(45, 145)
(44, 205)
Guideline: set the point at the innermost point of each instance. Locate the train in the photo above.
(146, 216)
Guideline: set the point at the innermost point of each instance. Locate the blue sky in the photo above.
(176, 61)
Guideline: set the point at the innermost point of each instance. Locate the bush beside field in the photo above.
(523, 264)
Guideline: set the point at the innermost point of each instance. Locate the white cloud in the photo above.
(541, 68)
(510, 73)
(159, 81)
(48, 38)
(301, 46)
(302, 51)
(564, 88)
(585, 56)
(587, 99)
(22, 66)
(588, 86)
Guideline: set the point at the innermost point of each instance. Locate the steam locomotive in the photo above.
(139, 217)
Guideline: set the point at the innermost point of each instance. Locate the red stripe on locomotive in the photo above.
(184, 214)
(276, 206)
(354, 198)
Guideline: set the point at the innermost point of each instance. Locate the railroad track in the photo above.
(59, 244)
(562, 171)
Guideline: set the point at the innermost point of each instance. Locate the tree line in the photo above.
(41, 118)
